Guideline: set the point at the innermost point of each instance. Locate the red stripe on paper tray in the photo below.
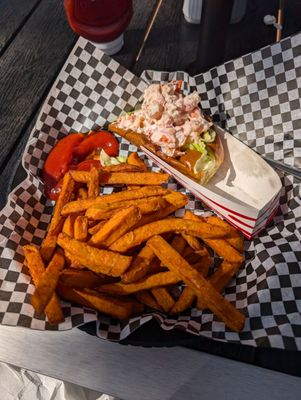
(229, 210)
(273, 213)
(271, 205)
(269, 219)
(247, 234)
(224, 210)
(240, 221)
(249, 228)
(187, 186)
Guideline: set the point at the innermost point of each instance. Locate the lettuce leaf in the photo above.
(106, 160)
(205, 163)
(208, 136)
(199, 146)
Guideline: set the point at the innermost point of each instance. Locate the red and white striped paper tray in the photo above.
(245, 191)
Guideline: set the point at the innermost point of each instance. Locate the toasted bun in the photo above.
(202, 177)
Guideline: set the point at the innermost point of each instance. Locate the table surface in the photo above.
(33, 47)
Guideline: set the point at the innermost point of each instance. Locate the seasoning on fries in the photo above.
(82, 205)
(142, 234)
(98, 260)
(186, 273)
(121, 252)
(36, 268)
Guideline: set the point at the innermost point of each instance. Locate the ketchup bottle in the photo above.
(100, 21)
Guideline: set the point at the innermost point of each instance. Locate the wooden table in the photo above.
(35, 41)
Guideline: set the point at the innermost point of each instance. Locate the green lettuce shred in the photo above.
(207, 159)
(209, 136)
(106, 160)
(206, 162)
(199, 146)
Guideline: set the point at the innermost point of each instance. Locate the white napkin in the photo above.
(20, 384)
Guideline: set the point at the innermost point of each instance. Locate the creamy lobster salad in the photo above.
(170, 120)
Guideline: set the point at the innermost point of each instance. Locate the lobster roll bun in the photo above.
(172, 126)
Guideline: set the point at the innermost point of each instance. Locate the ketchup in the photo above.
(100, 21)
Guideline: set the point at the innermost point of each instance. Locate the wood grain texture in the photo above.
(172, 43)
(13, 173)
(28, 68)
(134, 32)
(126, 57)
(135, 373)
(251, 33)
(16, 12)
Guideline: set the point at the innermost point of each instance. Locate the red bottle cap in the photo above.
(100, 21)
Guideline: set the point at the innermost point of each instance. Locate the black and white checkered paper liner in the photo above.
(91, 90)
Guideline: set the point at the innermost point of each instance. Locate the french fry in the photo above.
(194, 243)
(69, 294)
(117, 308)
(72, 263)
(176, 199)
(224, 310)
(220, 245)
(143, 233)
(146, 206)
(163, 298)
(94, 229)
(123, 167)
(133, 187)
(165, 212)
(203, 265)
(100, 261)
(101, 214)
(140, 266)
(80, 176)
(81, 228)
(68, 226)
(82, 205)
(93, 183)
(178, 243)
(220, 279)
(83, 279)
(133, 178)
(185, 301)
(45, 288)
(145, 297)
(225, 250)
(134, 159)
(116, 227)
(91, 223)
(36, 269)
(200, 263)
(190, 255)
(149, 282)
(151, 204)
(234, 238)
(155, 267)
(82, 194)
(56, 223)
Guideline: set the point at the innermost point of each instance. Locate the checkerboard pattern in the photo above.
(256, 98)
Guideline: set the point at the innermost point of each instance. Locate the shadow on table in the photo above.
(150, 335)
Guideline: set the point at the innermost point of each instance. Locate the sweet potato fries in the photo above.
(121, 252)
